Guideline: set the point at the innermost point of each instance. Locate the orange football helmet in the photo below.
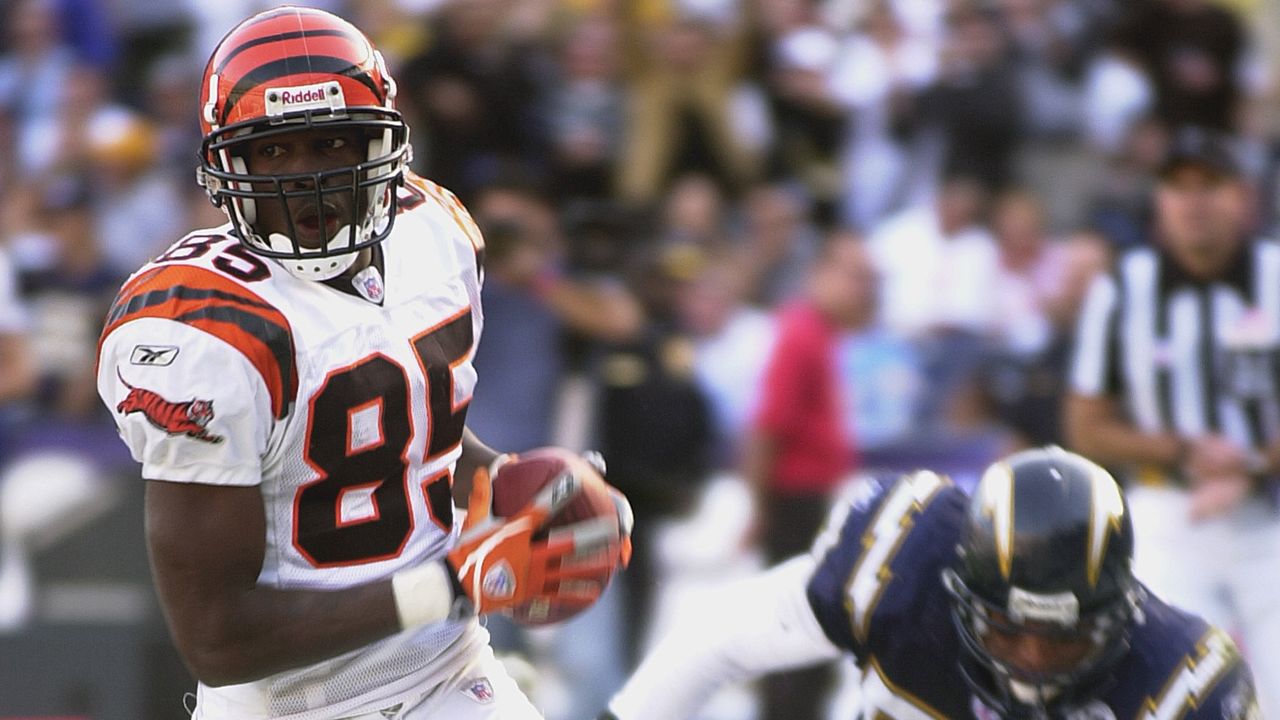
(280, 71)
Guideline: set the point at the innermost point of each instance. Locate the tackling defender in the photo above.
(1016, 603)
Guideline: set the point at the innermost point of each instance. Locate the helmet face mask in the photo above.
(1077, 657)
(290, 73)
(1042, 593)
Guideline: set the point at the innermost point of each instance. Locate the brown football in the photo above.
(516, 484)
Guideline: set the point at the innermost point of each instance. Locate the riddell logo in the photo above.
(184, 418)
(317, 96)
(307, 95)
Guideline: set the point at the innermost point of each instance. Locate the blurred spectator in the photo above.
(531, 302)
(1041, 283)
(732, 343)
(777, 247)
(477, 95)
(69, 287)
(654, 421)
(938, 263)
(1031, 275)
(1052, 42)
(920, 18)
(586, 111)
(33, 79)
(881, 373)
(134, 200)
(975, 104)
(171, 107)
(801, 445)
(17, 362)
(87, 112)
(1120, 209)
(808, 119)
(939, 266)
(694, 214)
(1174, 380)
(1192, 51)
(396, 28)
(1117, 94)
(684, 72)
(89, 29)
(880, 72)
(17, 380)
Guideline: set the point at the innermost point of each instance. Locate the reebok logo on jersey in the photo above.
(154, 355)
(182, 418)
(479, 690)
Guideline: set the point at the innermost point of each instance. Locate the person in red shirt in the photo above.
(800, 448)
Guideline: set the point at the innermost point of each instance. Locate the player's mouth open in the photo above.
(309, 218)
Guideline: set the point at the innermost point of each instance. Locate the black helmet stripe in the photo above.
(296, 34)
(281, 68)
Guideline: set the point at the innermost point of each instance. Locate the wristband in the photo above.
(427, 594)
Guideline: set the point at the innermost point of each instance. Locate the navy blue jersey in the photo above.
(877, 592)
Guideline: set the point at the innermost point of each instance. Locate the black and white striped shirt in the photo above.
(1182, 355)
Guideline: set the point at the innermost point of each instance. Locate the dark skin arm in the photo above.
(475, 455)
(1094, 428)
(207, 544)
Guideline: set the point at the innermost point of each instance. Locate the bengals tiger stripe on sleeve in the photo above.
(220, 307)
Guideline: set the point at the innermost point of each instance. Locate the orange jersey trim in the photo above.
(220, 307)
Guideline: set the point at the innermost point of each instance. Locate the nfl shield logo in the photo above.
(479, 690)
(373, 287)
(368, 282)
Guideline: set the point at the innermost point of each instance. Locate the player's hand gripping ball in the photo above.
(594, 527)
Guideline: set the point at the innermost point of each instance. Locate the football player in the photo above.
(1017, 602)
(295, 385)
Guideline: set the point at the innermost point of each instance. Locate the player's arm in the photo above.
(791, 616)
(761, 625)
(604, 311)
(1095, 428)
(207, 545)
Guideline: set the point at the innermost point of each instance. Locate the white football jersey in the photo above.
(222, 368)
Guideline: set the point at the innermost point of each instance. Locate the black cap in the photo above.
(1202, 148)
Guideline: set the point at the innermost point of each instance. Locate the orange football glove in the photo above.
(497, 562)
(626, 518)
(480, 499)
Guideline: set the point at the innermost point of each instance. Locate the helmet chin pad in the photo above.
(320, 267)
(1032, 695)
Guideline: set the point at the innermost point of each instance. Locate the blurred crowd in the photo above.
(757, 242)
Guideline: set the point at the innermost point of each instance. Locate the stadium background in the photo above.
(684, 160)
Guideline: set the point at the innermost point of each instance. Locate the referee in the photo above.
(1175, 381)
